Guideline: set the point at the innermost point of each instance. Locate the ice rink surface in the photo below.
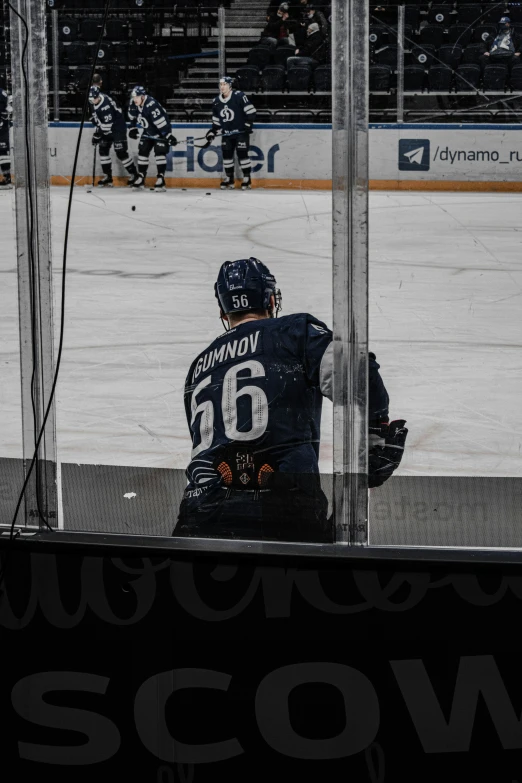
(445, 323)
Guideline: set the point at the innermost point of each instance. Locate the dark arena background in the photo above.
(354, 617)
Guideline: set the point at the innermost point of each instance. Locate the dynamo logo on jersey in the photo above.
(227, 114)
(414, 154)
(210, 159)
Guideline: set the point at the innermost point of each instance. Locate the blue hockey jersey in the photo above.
(152, 117)
(108, 117)
(261, 385)
(230, 114)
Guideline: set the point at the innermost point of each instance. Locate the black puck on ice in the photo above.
(208, 194)
(134, 209)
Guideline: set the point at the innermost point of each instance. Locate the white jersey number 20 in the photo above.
(229, 407)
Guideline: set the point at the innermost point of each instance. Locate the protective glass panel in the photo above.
(445, 278)
(11, 449)
(140, 310)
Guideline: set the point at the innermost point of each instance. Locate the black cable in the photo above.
(66, 241)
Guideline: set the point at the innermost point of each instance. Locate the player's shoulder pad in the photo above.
(301, 324)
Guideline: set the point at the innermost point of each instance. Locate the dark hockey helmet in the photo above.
(138, 90)
(94, 94)
(246, 285)
(228, 80)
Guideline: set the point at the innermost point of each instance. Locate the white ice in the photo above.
(445, 302)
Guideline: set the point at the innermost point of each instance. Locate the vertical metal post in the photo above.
(350, 268)
(400, 64)
(222, 63)
(33, 239)
(56, 66)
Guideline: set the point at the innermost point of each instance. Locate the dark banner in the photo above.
(184, 667)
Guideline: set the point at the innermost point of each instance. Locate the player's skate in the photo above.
(138, 181)
(159, 186)
(246, 184)
(106, 182)
(227, 184)
(5, 182)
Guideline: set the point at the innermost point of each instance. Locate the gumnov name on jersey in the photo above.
(248, 345)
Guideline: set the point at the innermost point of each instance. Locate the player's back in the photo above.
(109, 116)
(257, 386)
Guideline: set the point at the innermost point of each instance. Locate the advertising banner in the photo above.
(448, 157)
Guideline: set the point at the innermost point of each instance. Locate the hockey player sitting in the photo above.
(253, 404)
(233, 115)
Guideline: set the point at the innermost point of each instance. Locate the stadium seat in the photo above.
(413, 78)
(104, 51)
(121, 52)
(380, 76)
(459, 33)
(67, 30)
(439, 78)
(116, 30)
(467, 77)
(81, 77)
(77, 53)
(387, 56)
(377, 35)
(469, 13)
(323, 78)
(248, 78)
(424, 55)
(516, 78)
(64, 77)
(282, 53)
(299, 62)
(450, 54)
(473, 53)
(494, 77)
(433, 35)
(267, 43)
(440, 14)
(298, 78)
(273, 78)
(483, 33)
(90, 29)
(259, 56)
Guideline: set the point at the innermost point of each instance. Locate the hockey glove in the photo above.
(210, 136)
(249, 128)
(96, 138)
(386, 444)
(134, 133)
(171, 139)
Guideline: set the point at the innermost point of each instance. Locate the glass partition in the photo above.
(444, 277)
(11, 451)
(166, 423)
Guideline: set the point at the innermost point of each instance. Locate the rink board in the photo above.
(402, 157)
(132, 661)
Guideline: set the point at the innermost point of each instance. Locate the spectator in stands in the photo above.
(315, 47)
(505, 48)
(313, 14)
(281, 25)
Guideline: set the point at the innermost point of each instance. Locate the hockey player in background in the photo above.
(233, 115)
(253, 403)
(145, 112)
(5, 152)
(111, 129)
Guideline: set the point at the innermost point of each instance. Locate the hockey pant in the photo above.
(240, 144)
(160, 147)
(270, 515)
(122, 153)
(5, 157)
